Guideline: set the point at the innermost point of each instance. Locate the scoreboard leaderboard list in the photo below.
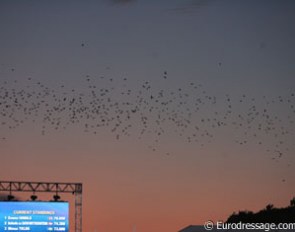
(34, 216)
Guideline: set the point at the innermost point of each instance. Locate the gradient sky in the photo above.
(230, 47)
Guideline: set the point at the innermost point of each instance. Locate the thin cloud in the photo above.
(191, 6)
(122, 1)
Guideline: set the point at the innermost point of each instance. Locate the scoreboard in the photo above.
(34, 216)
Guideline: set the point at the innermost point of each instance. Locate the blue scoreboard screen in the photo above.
(34, 216)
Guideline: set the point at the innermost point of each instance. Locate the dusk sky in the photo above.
(170, 113)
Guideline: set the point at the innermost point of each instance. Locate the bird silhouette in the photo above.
(146, 110)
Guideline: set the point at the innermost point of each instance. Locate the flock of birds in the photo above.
(148, 111)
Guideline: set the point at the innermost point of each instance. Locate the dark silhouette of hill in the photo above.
(267, 215)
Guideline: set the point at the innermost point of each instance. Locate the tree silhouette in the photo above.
(269, 214)
(269, 207)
